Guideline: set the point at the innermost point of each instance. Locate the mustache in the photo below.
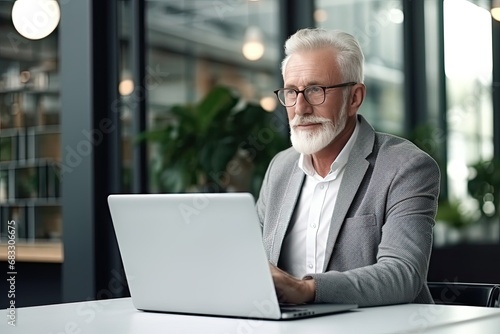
(304, 120)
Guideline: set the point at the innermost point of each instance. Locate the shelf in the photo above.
(30, 150)
(37, 201)
(30, 159)
(25, 163)
(38, 252)
(29, 91)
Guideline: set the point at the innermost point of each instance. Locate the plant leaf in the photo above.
(215, 108)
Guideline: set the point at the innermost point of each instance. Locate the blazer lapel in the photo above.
(354, 172)
(291, 196)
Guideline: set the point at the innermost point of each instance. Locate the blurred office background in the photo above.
(74, 105)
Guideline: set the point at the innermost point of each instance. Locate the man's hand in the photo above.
(291, 290)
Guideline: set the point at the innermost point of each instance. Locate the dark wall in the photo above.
(465, 263)
(41, 284)
(35, 284)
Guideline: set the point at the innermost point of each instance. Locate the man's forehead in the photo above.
(314, 64)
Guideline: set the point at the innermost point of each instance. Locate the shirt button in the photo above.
(321, 186)
(313, 225)
(310, 266)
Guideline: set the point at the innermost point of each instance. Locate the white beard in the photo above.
(312, 141)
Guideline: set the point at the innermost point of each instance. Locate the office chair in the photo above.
(458, 293)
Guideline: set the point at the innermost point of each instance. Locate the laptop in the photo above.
(200, 254)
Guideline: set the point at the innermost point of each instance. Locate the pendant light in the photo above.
(495, 9)
(253, 46)
(35, 19)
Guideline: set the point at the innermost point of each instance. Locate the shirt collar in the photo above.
(305, 160)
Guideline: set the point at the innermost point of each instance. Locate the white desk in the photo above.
(119, 316)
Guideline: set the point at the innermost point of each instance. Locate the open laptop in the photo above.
(199, 254)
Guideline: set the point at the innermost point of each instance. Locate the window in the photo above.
(468, 66)
(194, 46)
(378, 27)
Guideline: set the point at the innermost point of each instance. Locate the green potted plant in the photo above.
(484, 186)
(449, 212)
(203, 145)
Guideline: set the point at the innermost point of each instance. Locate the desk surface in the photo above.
(119, 316)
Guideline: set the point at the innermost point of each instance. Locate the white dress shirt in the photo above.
(304, 246)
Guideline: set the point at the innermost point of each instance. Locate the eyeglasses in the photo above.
(314, 95)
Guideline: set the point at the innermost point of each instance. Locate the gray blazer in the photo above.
(380, 237)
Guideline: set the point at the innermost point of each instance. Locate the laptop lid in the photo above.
(196, 253)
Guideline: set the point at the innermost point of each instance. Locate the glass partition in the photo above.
(30, 147)
(193, 47)
(378, 27)
(473, 184)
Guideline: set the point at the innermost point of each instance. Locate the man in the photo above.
(347, 213)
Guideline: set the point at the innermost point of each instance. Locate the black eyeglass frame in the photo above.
(297, 92)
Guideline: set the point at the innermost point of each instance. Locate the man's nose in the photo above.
(302, 106)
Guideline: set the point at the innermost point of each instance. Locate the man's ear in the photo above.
(358, 93)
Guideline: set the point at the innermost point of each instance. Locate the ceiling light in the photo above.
(320, 15)
(126, 87)
(35, 19)
(495, 10)
(268, 103)
(396, 15)
(253, 47)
